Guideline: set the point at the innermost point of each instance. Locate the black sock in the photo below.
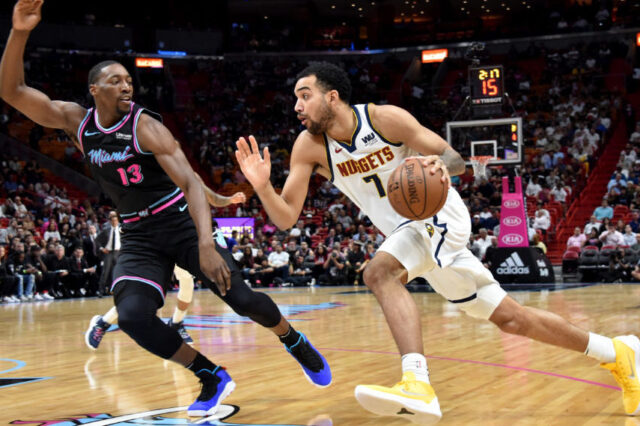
(290, 338)
(202, 367)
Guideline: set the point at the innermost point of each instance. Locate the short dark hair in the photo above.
(95, 71)
(330, 77)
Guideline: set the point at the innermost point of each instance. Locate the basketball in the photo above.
(414, 192)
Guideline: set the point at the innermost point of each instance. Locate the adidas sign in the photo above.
(513, 265)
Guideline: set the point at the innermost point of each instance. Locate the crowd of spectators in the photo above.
(566, 110)
(612, 233)
(49, 243)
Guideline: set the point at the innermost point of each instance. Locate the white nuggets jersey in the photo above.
(361, 168)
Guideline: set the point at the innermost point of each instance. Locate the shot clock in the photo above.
(486, 85)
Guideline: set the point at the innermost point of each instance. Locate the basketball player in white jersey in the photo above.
(357, 148)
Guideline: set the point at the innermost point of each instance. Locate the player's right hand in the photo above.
(256, 169)
(26, 14)
(214, 267)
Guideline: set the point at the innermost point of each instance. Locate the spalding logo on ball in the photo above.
(414, 192)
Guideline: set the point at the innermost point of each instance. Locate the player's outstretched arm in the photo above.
(155, 137)
(218, 200)
(396, 124)
(29, 101)
(285, 208)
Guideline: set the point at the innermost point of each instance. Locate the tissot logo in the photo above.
(155, 417)
(512, 239)
(512, 204)
(512, 221)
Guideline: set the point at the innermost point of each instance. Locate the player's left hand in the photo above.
(436, 164)
(238, 198)
(214, 267)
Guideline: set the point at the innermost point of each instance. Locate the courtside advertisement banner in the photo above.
(513, 219)
(240, 224)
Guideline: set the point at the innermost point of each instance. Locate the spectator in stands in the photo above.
(476, 224)
(25, 274)
(617, 183)
(332, 238)
(237, 254)
(593, 239)
(82, 278)
(619, 269)
(578, 239)
(52, 233)
(490, 253)
(481, 243)
(261, 274)
(299, 275)
(292, 248)
(603, 211)
(538, 243)
(629, 236)
(58, 264)
(306, 252)
(559, 194)
(612, 237)
(44, 281)
(279, 261)
(333, 269)
(492, 221)
(8, 280)
(541, 222)
(533, 188)
(321, 256)
(298, 232)
(233, 240)
(353, 263)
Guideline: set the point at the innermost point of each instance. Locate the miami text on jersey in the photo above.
(366, 164)
(101, 156)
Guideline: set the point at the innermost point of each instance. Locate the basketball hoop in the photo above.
(479, 164)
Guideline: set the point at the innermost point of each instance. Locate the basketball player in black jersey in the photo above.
(167, 221)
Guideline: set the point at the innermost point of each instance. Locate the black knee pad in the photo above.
(248, 303)
(137, 305)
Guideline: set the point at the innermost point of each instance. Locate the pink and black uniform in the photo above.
(134, 180)
(158, 231)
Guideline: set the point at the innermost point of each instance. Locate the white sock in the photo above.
(417, 364)
(178, 315)
(111, 317)
(600, 348)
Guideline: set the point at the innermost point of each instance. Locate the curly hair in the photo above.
(329, 77)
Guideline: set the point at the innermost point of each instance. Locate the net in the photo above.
(479, 164)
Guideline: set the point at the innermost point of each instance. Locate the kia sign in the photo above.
(240, 224)
(511, 204)
(512, 240)
(513, 220)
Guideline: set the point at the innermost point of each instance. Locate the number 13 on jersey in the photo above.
(133, 174)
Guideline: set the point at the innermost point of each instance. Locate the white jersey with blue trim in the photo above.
(360, 168)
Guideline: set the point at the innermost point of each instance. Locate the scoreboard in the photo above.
(486, 85)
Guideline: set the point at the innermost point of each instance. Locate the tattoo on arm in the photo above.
(454, 162)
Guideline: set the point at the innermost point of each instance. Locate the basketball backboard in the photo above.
(499, 138)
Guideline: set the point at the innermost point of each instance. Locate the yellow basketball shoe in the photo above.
(410, 399)
(625, 371)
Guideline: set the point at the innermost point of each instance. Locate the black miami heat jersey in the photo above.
(131, 177)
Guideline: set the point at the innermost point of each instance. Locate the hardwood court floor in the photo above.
(481, 376)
